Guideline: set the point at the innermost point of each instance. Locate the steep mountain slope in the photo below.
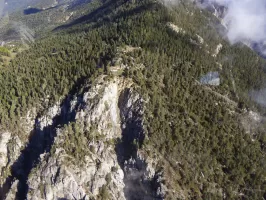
(133, 100)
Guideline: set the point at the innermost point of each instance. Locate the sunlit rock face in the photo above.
(87, 149)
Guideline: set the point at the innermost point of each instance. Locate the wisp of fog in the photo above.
(2, 5)
(245, 19)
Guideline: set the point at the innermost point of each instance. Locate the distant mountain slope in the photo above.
(36, 18)
(15, 5)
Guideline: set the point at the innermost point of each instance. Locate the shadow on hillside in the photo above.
(95, 15)
(136, 187)
(31, 11)
(105, 14)
(132, 130)
(40, 141)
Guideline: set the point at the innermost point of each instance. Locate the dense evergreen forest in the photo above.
(207, 152)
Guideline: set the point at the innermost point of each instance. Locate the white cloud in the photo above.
(246, 20)
(259, 96)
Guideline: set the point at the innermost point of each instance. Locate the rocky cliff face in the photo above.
(86, 148)
(11, 145)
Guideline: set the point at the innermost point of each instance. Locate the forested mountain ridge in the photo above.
(111, 105)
